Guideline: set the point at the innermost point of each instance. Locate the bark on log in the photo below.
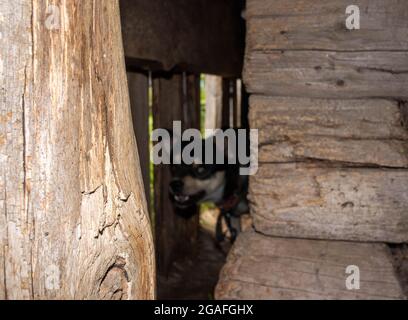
(262, 267)
(307, 201)
(74, 222)
(320, 25)
(355, 132)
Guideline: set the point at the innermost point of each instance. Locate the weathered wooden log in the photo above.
(356, 132)
(346, 119)
(307, 201)
(327, 74)
(320, 25)
(262, 267)
(352, 152)
(73, 217)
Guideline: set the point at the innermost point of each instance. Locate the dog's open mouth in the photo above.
(184, 201)
(181, 198)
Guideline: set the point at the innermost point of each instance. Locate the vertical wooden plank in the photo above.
(167, 106)
(239, 103)
(176, 98)
(192, 120)
(244, 107)
(139, 100)
(226, 112)
(230, 105)
(193, 102)
(213, 102)
(234, 101)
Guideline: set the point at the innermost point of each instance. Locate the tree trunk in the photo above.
(74, 221)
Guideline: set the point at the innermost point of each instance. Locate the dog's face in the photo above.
(196, 183)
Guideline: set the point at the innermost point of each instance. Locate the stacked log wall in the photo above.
(330, 106)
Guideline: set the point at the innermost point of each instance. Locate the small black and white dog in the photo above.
(221, 184)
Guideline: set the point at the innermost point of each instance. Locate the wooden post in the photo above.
(192, 118)
(230, 112)
(235, 105)
(213, 102)
(73, 217)
(176, 98)
(226, 107)
(244, 102)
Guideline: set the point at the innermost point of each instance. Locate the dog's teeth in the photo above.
(181, 198)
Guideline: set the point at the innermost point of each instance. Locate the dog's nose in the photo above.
(176, 186)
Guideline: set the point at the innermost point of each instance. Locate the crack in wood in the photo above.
(323, 163)
(403, 106)
(6, 241)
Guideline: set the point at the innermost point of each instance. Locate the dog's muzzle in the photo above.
(181, 200)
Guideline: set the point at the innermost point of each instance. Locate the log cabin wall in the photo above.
(330, 104)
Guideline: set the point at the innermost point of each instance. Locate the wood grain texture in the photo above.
(357, 132)
(262, 267)
(74, 220)
(320, 25)
(327, 74)
(310, 201)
